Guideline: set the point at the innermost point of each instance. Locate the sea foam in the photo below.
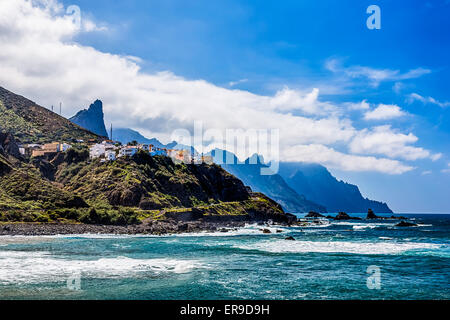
(37, 267)
(282, 246)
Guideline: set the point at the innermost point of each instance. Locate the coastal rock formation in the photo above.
(313, 214)
(406, 224)
(372, 215)
(345, 216)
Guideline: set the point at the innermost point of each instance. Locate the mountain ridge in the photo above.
(30, 123)
(317, 184)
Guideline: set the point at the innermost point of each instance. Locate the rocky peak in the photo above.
(92, 119)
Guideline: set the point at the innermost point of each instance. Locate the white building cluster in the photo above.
(109, 151)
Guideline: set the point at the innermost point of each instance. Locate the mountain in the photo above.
(69, 187)
(31, 123)
(273, 186)
(124, 136)
(317, 184)
(92, 119)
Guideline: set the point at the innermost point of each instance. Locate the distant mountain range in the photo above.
(127, 135)
(92, 119)
(317, 184)
(298, 187)
(124, 135)
(273, 186)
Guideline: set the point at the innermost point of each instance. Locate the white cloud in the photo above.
(375, 76)
(384, 112)
(363, 105)
(40, 59)
(383, 140)
(315, 153)
(288, 100)
(446, 170)
(234, 83)
(427, 172)
(427, 100)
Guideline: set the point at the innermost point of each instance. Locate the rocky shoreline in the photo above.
(148, 227)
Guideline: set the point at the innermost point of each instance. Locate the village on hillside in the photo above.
(109, 150)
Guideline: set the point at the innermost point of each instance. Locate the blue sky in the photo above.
(265, 46)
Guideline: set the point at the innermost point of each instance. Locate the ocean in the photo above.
(338, 260)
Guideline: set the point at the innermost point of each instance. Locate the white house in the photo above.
(110, 155)
(99, 150)
(128, 151)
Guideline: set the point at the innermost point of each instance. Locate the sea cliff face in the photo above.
(317, 184)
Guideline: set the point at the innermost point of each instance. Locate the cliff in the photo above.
(317, 184)
(273, 186)
(92, 119)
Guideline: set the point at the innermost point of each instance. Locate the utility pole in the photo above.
(52, 108)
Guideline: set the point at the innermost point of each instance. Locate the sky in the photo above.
(372, 105)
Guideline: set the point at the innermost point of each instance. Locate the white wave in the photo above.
(37, 267)
(363, 227)
(282, 246)
(249, 229)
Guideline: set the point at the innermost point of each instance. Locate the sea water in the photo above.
(329, 261)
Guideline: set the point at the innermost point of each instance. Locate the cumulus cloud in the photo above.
(383, 140)
(363, 105)
(288, 99)
(315, 153)
(384, 112)
(427, 100)
(40, 59)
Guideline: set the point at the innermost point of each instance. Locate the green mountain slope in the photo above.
(31, 123)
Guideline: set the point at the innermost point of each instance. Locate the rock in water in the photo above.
(290, 238)
(313, 214)
(92, 119)
(406, 224)
(345, 216)
(371, 215)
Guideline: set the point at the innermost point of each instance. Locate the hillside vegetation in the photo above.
(71, 188)
(31, 123)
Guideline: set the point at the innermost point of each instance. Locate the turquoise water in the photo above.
(326, 262)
